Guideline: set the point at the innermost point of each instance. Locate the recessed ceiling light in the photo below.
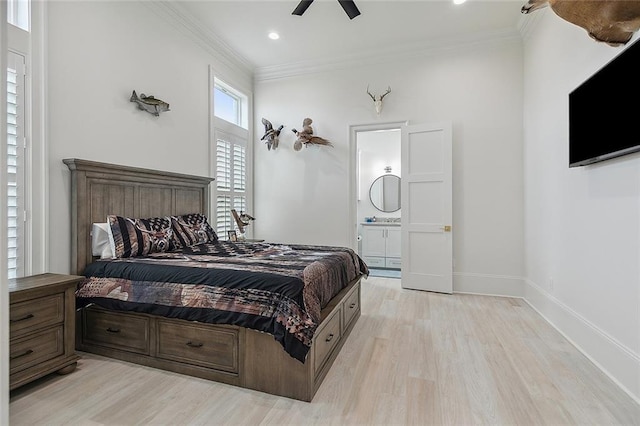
(458, 1)
(274, 35)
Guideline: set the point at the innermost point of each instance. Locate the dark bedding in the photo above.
(276, 288)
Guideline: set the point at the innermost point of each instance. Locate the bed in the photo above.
(265, 316)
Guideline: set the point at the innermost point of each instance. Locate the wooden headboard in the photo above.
(100, 189)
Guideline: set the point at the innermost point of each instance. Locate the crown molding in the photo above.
(173, 13)
(377, 56)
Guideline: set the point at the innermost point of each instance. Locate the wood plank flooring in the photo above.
(413, 358)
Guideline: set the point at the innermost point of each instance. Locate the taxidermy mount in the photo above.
(271, 135)
(377, 99)
(149, 103)
(608, 21)
(305, 136)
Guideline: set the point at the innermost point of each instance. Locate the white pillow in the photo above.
(100, 241)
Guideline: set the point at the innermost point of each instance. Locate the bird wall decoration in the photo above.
(271, 135)
(305, 136)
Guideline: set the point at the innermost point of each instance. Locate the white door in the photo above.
(427, 241)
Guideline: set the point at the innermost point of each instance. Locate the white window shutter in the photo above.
(231, 181)
(15, 164)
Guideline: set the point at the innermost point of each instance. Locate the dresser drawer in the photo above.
(393, 262)
(36, 313)
(351, 307)
(121, 331)
(36, 348)
(326, 339)
(374, 262)
(207, 346)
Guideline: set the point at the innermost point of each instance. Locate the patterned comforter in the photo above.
(276, 288)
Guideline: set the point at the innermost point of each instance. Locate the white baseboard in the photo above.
(487, 284)
(616, 360)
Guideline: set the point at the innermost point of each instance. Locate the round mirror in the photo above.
(385, 193)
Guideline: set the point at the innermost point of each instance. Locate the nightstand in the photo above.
(42, 326)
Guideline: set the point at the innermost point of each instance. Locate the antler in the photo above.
(385, 93)
(369, 93)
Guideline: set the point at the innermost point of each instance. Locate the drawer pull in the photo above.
(25, 353)
(113, 330)
(194, 345)
(328, 339)
(26, 317)
(353, 305)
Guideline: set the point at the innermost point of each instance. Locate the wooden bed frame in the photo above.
(223, 353)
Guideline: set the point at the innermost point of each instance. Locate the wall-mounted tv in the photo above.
(604, 111)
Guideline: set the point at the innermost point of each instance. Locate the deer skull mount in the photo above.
(377, 99)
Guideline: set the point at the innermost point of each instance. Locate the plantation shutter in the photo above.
(16, 148)
(231, 179)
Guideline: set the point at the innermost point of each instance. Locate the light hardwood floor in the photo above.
(413, 358)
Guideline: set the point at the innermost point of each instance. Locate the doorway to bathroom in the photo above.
(417, 240)
(378, 198)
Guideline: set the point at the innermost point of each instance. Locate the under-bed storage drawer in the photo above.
(326, 339)
(207, 346)
(118, 331)
(351, 307)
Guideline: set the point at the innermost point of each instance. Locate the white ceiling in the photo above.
(325, 33)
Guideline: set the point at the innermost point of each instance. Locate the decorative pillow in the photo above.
(100, 241)
(191, 229)
(139, 237)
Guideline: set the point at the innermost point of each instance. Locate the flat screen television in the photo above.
(604, 111)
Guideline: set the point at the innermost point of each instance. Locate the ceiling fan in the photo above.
(348, 5)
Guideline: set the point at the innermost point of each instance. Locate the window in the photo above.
(16, 164)
(18, 13)
(229, 104)
(231, 156)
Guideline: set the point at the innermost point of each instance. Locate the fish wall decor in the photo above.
(149, 103)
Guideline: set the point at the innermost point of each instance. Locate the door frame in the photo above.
(354, 129)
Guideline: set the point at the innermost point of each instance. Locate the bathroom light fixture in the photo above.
(459, 1)
(274, 35)
(387, 169)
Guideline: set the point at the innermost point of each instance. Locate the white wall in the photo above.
(303, 196)
(98, 53)
(582, 225)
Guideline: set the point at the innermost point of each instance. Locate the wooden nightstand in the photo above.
(42, 326)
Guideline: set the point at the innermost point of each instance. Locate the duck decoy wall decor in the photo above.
(149, 103)
(271, 135)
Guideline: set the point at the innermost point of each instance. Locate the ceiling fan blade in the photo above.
(302, 7)
(350, 7)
